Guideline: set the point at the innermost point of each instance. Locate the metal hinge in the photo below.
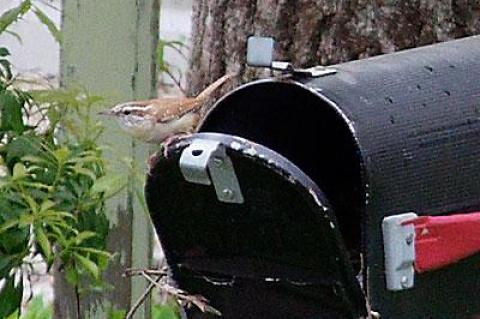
(206, 162)
(399, 249)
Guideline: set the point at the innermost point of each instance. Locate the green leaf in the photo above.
(89, 265)
(116, 314)
(46, 205)
(109, 184)
(164, 312)
(102, 261)
(4, 52)
(3, 182)
(6, 69)
(56, 33)
(11, 110)
(21, 146)
(19, 171)
(36, 309)
(161, 55)
(10, 297)
(14, 315)
(26, 220)
(81, 237)
(94, 251)
(31, 203)
(84, 171)
(84, 159)
(62, 154)
(12, 15)
(72, 276)
(56, 213)
(43, 242)
(35, 159)
(8, 224)
(14, 242)
(7, 262)
(97, 222)
(37, 185)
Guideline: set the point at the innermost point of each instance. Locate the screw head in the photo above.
(228, 193)
(409, 239)
(218, 161)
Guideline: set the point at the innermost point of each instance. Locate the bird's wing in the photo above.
(205, 94)
(168, 109)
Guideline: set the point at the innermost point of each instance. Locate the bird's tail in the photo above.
(205, 94)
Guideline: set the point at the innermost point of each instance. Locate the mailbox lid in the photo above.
(276, 255)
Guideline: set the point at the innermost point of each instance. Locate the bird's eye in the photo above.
(127, 112)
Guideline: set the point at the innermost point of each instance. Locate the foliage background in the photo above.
(53, 185)
(63, 139)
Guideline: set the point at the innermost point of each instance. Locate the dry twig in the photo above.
(142, 298)
(182, 297)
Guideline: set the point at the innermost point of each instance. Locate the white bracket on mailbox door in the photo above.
(399, 249)
(206, 162)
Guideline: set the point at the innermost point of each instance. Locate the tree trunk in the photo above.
(312, 32)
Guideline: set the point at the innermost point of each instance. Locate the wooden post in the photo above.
(109, 48)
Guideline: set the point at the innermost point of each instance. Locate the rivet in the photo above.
(228, 193)
(409, 239)
(404, 282)
(218, 161)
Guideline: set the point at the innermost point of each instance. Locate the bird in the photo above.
(161, 120)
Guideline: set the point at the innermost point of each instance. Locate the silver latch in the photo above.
(399, 249)
(206, 162)
(260, 54)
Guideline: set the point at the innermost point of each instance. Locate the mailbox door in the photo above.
(276, 253)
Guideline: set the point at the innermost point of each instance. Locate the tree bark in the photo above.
(312, 32)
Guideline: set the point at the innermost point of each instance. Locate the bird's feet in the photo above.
(152, 161)
(171, 140)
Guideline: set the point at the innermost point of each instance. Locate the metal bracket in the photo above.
(316, 71)
(399, 249)
(206, 162)
(260, 54)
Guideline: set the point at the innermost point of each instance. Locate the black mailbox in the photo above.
(275, 209)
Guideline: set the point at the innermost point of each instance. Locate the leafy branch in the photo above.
(52, 187)
(172, 71)
(11, 16)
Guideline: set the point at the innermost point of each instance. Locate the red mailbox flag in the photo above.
(444, 240)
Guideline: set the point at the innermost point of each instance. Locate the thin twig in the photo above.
(176, 81)
(142, 298)
(49, 5)
(180, 52)
(181, 296)
(129, 272)
(198, 300)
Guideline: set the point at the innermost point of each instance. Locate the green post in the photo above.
(109, 48)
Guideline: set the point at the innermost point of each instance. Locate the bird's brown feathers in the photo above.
(167, 109)
(156, 120)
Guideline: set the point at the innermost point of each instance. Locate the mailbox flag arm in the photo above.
(444, 240)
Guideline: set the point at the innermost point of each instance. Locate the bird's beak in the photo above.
(106, 112)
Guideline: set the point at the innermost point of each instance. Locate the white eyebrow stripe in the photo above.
(132, 109)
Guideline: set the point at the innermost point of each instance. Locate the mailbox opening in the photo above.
(303, 127)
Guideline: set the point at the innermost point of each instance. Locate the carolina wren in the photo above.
(158, 120)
